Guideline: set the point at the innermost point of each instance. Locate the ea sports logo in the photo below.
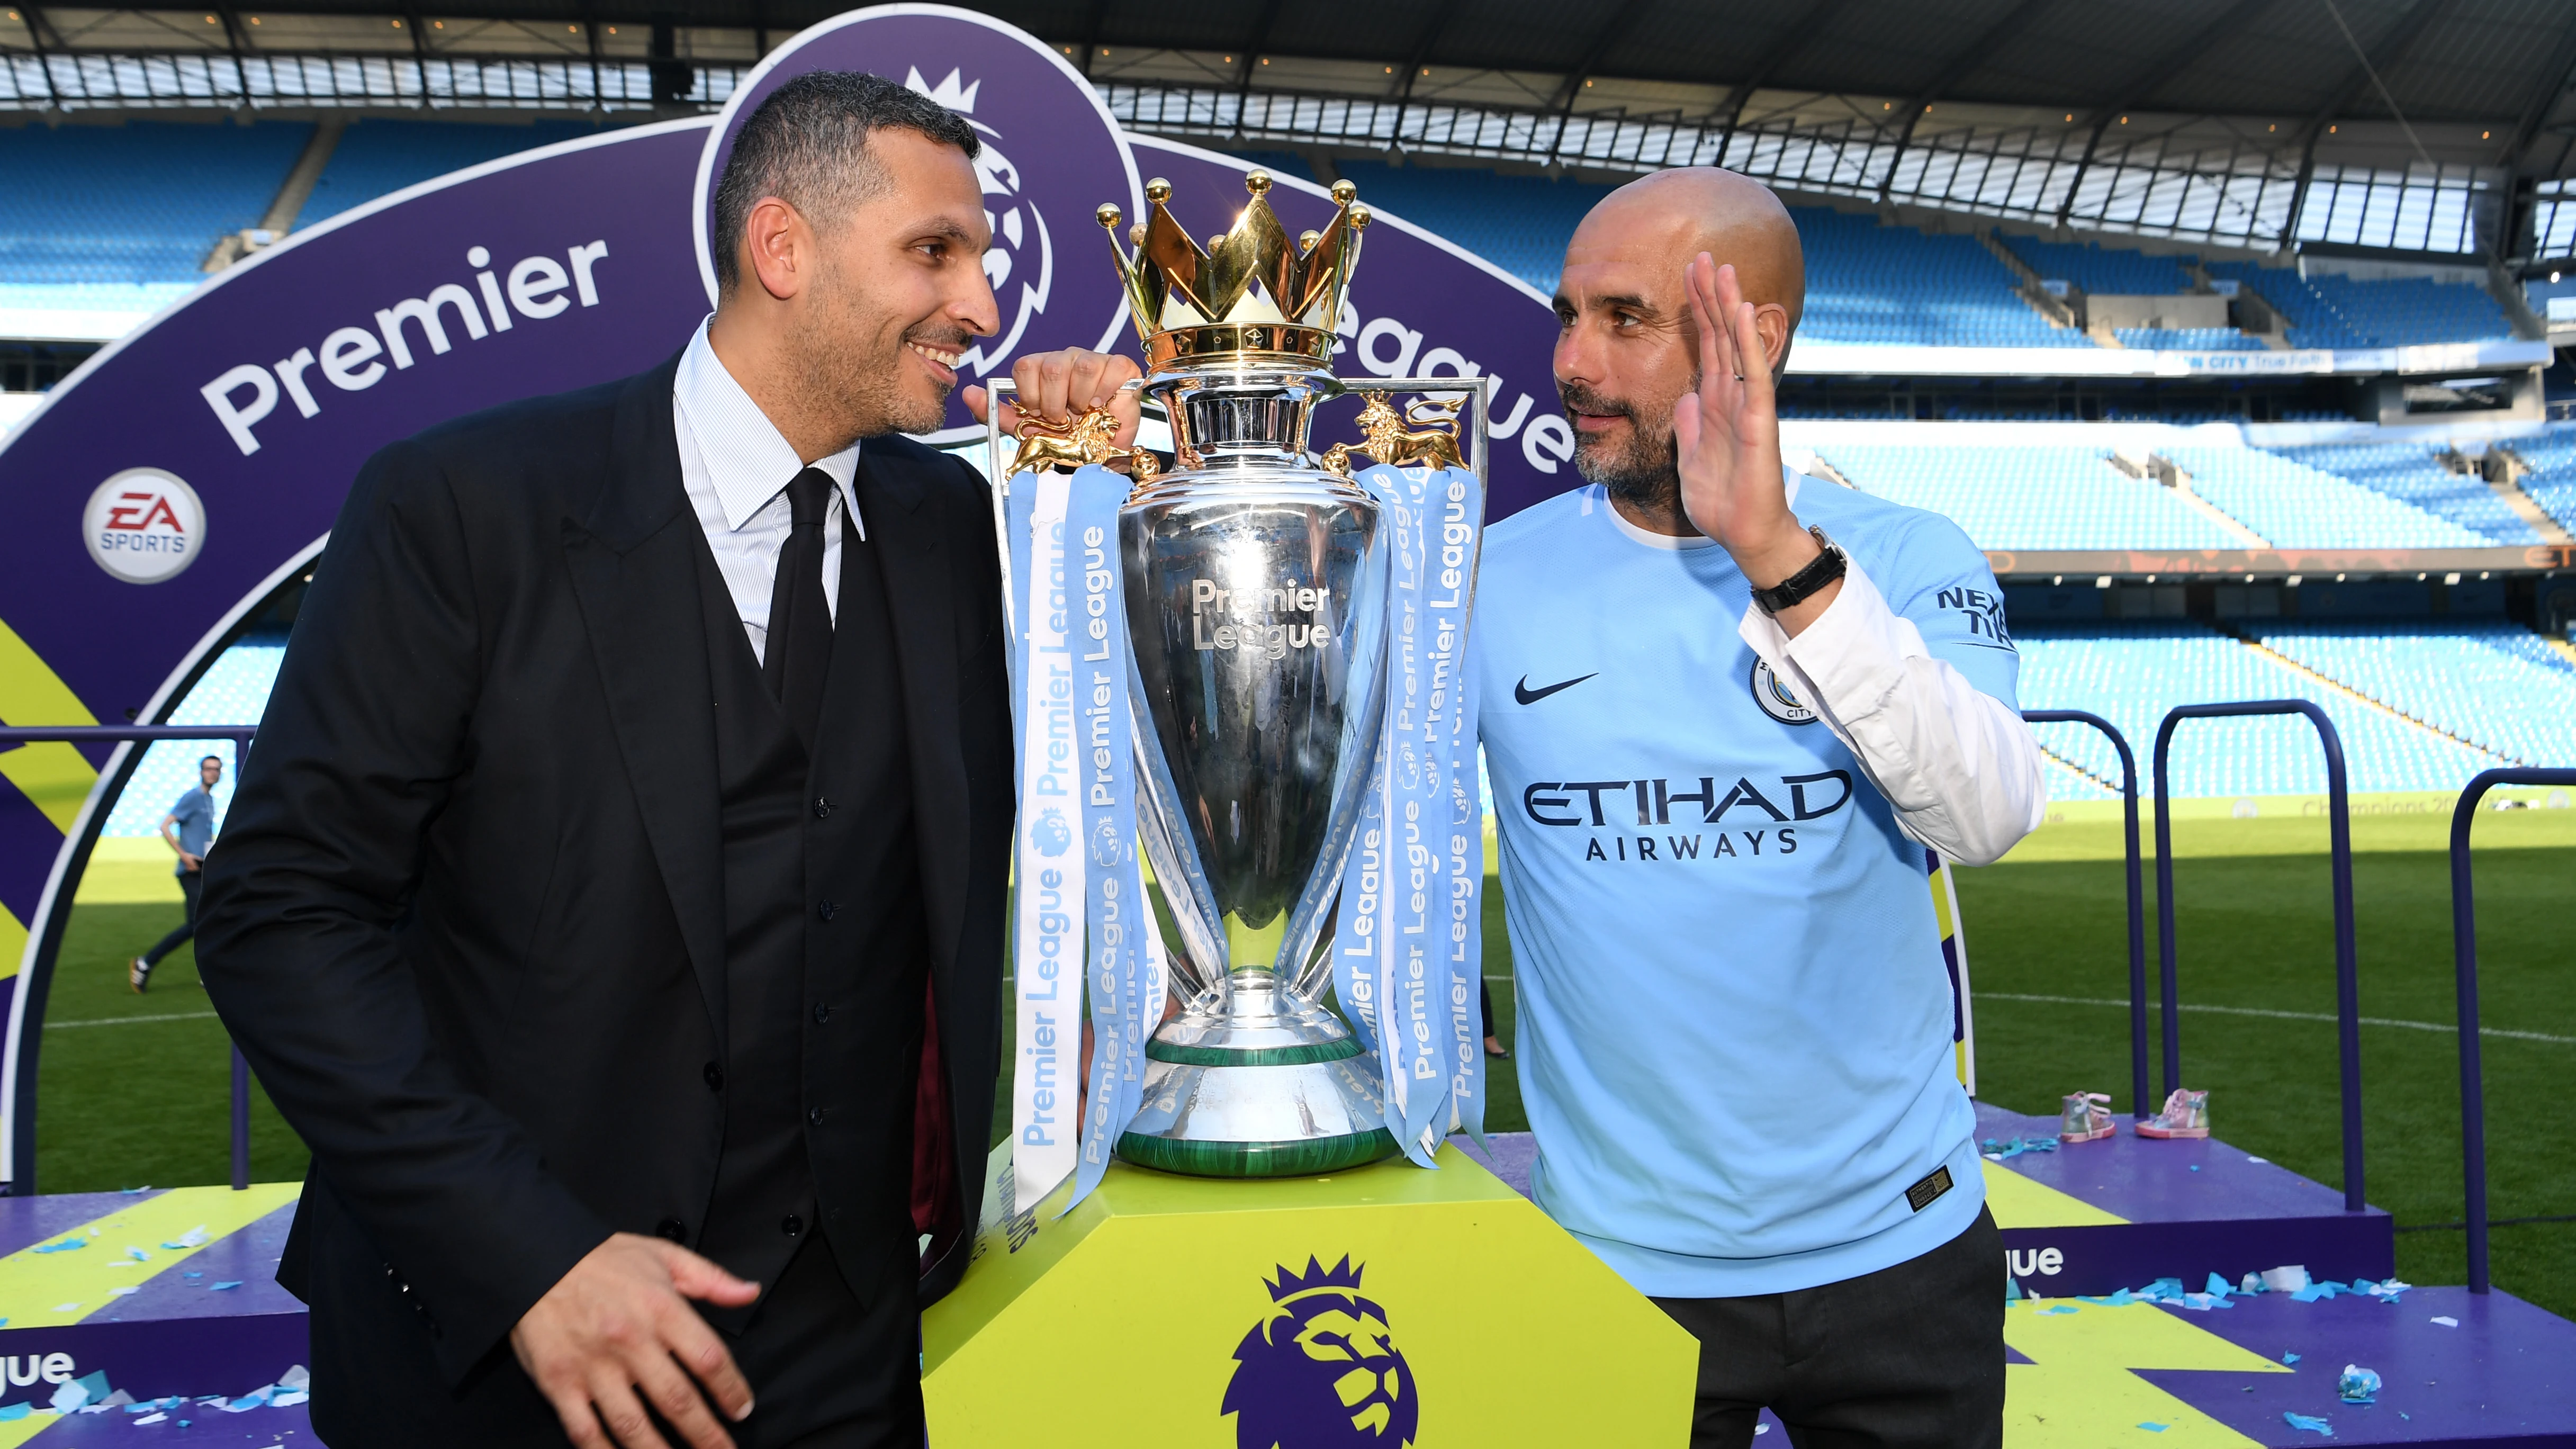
(144, 525)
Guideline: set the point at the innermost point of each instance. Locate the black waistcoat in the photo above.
(826, 955)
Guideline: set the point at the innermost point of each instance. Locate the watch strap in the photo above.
(1803, 585)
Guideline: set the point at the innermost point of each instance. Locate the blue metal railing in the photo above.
(240, 735)
(2347, 984)
(2464, 967)
(2137, 897)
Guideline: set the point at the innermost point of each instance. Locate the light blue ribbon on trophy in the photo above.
(1408, 948)
(1118, 914)
(1453, 533)
(1049, 879)
(1412, 963)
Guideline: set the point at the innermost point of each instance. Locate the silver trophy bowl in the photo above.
(1256, 600)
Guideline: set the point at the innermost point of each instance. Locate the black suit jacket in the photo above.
(467, 920)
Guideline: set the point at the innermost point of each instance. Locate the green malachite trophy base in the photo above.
(1257, 1159)
(1159, 1050)
(1127, 1321)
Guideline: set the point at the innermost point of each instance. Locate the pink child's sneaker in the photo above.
(2186, 1114)
(2086, 1117)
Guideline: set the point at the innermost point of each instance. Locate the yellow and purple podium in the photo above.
(1379, 1306)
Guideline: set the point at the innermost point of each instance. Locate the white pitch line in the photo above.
(2285, 1016)
(130, 1020)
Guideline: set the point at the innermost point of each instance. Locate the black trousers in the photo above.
(825, 1373)
(1909, 1357)
(189, 880)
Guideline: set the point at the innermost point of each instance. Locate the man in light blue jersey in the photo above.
(1726, 709)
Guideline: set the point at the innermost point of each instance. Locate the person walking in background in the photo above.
(193, 816)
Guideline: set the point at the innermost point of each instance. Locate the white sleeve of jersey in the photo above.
(1960, 766)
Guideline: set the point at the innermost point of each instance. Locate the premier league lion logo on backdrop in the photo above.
(1321, 1371)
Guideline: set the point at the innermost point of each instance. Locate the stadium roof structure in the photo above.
(2412, 126)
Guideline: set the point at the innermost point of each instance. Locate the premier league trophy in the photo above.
(1256, 585)
(1256, 578)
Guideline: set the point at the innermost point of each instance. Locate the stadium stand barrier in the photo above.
(2464, 972)
(2347, 980)
(2138, 1093)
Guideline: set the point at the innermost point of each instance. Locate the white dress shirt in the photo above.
(1960, 766)
(736, 467)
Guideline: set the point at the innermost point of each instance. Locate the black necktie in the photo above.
(798, 657)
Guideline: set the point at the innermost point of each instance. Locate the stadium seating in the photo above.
(2293, 505)
(2331, 311)
(2551, 483)
(2404, 311)
(2094, 267)
(2493, 684)
(2030, 497)
(378, 157)
(2131, 674)
(2409, 471)
(233, 690)
(120, 218)
(1888, 284)
(2187, 339)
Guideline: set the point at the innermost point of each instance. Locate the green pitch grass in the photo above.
(137, 1090)
(145, 1101)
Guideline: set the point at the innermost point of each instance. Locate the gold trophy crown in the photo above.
(1253, 290)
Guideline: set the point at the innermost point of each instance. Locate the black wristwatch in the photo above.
(1801, 586)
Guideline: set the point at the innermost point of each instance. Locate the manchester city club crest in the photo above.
(1775, 698)
(1321, 1369)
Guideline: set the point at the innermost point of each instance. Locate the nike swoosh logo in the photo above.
(1527, 695)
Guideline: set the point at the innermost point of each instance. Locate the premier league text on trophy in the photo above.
(1270, 640)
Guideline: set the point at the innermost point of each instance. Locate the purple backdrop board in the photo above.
(188, 471)
(2190, 1208)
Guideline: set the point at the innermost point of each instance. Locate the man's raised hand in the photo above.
(617, 1333)
(1053, 386)
(1726, 435)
